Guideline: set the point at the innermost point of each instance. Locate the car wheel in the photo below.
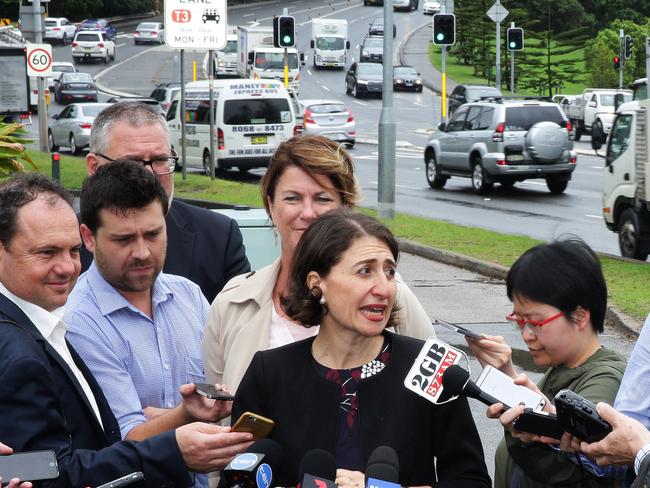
(74, 149)
(629, 232)
(434, 178)
(64, 40)
(598, 131)
(347, 87)
(206, 163)
(578, 131)
(420, 89)
(113, 56)
(556, 185)
(107, 58)
(355, 93)
(50, 142)
(479, 183)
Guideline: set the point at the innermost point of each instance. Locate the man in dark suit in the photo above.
(203, 246)
(48, 397)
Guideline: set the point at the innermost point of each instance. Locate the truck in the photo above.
(258, 59)
(626, 189)
(329, 40)
(225, 60)
(595, 107)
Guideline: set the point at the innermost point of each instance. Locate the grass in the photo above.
(627, 281)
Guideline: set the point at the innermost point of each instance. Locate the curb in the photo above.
(425, 81)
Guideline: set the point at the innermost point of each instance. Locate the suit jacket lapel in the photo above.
(180, 242)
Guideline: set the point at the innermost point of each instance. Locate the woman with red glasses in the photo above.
(559, 301)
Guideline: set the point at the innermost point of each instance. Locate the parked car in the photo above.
(89, 45)
(405, 4)
(165, 94)
(377, 27)
(149, 32)
(70, 87)
(59, 67)
(406, 78)
(364, 79)
(101, 25)
(372, 50)
(71, 127)
(329, 118)
(504, 142)
(155, 104)
(59, 29)
(373, 2)
(430, 7)
(470, 93)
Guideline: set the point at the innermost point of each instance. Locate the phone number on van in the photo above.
(252, 128)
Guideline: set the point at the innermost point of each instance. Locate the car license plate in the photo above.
(259, 139)
(88, 48)
(515, 157)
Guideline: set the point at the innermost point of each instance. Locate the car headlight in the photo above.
(362, 82)
(364, 53)
(399, 81)
(418, 82)
(220, 62)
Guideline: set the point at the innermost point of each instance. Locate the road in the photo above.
(527, 209)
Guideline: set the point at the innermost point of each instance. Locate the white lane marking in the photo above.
(253, 23)
(408, 187)
(420, 105)
(598, 167)
(533, 183)
(325, 88)
(248, 15)
(594, 216)
(123, 44)
(309, 71)
(359, 103)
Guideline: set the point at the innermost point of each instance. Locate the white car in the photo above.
(89, 45)
(149, 32)
(59, 29)
(59, 67)
(430, 7)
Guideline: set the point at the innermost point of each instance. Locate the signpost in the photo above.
(498, 14)
(39, 60)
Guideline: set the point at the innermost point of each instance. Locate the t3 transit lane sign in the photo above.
(196, 24)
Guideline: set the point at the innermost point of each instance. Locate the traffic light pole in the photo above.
(211, 115)
(512, 65)
(443, 94)
(498, 60)
(285, 11)
(42, 107)
(621, 37)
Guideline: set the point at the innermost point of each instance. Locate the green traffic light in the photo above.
(440, 36)
(286, 39)
(512, 45)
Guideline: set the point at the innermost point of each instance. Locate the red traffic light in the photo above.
(617, 62)
(56, 156)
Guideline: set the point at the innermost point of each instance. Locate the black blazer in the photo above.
(42, 407)
(282, 384)
(202, 246)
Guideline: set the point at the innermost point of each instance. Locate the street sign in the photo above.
(497, 12)
(190, 25)
(39, 60)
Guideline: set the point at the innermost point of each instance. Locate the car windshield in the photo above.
(378, 23)
(93, 110)
(370, 69)
(231, 47)
(76, 78)
(523, 118)
(63, 69)
(405, 70)
(275, 60)
(474, 94)
(327, 108)
(608, 100)
(330, 43)
(90, 25)
(87, 37)
(147, 26)
(257, 111)
(373, 42)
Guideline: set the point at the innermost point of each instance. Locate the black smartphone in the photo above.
(540, 423)
(458, 329)
(579, 417)
(29, 466)
(209, 391)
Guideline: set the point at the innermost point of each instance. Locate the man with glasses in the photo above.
(203, 246)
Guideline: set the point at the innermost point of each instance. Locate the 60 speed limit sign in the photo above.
(39, 59)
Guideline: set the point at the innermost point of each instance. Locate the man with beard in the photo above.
(138, 330)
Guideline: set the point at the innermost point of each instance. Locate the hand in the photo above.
(524, 380)
(210, 447)
(622, 443)
(200, 408)
(15, 482)
(350, 479)
(507, 419)
(568, 443)
(494, 351)
(153, 412)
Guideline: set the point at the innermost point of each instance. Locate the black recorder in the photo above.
(579, 417)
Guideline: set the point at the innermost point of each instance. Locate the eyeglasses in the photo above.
(532, 326)
(160, 166)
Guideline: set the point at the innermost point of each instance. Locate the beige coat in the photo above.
(239, 323)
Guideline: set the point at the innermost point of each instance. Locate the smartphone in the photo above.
(503, 388)
(459, 329)
(540, 423)
(259, 426)
(209, 391)
(127, 480)
(29, 466)
(579, 417)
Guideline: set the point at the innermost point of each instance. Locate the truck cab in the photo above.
(225, 60)
(595, 108)
(329, 40)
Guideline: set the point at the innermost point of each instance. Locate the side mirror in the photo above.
(619, 98)
(55, 116)
(591, 104)
(311, 44)
(442, 127)
(347, 44)
(250, 58)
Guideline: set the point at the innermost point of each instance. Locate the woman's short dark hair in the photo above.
(565, 274)
(320, 248)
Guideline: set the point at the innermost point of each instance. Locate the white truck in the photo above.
(595, 107)
(329, 40)
(225, 60)
(258, 59)
(626, 190)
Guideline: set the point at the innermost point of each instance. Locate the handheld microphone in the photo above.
(456, 381)
(317, 470)
(382, 470)
(253, 468)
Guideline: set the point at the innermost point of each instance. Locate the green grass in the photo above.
(627, 281)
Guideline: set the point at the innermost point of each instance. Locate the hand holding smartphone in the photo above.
(257, 425)
(29, 466)
(210, 391)
(458, 329)
(540, 423)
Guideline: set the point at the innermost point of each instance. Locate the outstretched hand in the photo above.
(200, 408)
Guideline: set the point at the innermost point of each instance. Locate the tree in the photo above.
(12, 149)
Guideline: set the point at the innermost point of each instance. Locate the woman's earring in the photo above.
(322, 300)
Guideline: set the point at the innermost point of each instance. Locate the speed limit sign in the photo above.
(39, 60)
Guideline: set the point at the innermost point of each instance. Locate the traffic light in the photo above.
(284, 31)
(627, 47)
(444, 29)
(617, 62)
(515, 39)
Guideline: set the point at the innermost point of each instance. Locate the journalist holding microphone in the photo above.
(559, 300)
(342, 391)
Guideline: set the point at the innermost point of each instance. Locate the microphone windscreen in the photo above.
(382, 471)
(454, 380)
(384, 455)
(271, 449)
(319, 463)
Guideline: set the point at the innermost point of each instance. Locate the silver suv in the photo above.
(503, 141)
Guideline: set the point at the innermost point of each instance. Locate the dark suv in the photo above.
(364, 79)
(372, 50)
(470, 93)
(504, 142)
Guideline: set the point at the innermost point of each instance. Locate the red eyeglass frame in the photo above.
(537, 323)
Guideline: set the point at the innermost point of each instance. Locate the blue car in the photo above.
(98, 25)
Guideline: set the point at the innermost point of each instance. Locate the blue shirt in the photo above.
(138, 362)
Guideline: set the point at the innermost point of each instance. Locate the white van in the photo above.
(252, 117)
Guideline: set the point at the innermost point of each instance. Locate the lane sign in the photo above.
(39, 60)
(194, 24)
